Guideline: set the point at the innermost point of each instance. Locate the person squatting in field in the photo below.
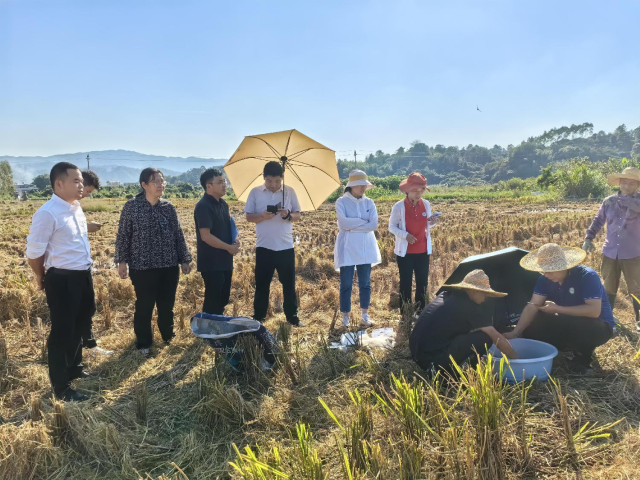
(621, 249)
(59, 254)
(569, 308)
(150, 241)
(458, 325)
(356, 245)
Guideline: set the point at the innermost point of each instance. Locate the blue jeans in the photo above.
(346, 284)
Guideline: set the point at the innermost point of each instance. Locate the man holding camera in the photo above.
(273, 213)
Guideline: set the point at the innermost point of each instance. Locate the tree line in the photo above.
(476, 165)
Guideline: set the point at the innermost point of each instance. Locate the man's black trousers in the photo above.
(578, 334)
(267, 262)
(71, 303)
(217, 289)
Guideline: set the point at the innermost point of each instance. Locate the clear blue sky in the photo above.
(185, 77)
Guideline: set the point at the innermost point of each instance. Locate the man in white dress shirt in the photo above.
(59, 254)
(274, 242)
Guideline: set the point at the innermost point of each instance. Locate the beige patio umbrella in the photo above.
(310, 168)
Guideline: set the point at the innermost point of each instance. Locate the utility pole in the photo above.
(88, 167)
(355, 159)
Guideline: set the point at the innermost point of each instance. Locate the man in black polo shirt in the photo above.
(216, 247)
(458, 325)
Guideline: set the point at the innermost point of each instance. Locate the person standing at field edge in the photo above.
(356, 245)
(215, 242)
(410, 222)
(621, 249)
(274, 242)
(151, 242)
(59, 254)
(91, 183)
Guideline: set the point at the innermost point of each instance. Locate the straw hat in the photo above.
(479, 281)
(415, 181)
(552, 258)
(632, 173)
(358, 178)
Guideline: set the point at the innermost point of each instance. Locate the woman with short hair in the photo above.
(151, 242)
(356, 245)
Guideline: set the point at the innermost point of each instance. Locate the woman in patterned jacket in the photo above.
(151, 242)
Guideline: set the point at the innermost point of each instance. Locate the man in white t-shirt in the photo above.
(273, 216)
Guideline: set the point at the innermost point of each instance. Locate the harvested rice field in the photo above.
(325, 413)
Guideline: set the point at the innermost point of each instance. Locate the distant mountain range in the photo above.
(110, 165)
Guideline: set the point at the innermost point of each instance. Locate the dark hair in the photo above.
(209, 174)
(148, 173)
(347, 190)
(272, 169)
(90, 179)
(59, 171)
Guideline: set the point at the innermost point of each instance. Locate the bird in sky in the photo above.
(478, 109)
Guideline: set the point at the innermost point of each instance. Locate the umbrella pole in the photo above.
(284, 162)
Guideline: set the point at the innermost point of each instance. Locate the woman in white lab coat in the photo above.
(356, 246)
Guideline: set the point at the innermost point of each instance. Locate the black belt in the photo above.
(62, 271)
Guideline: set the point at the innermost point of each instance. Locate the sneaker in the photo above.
(70, 395)
(82, 376)
(365, 321)
(101, 351)
(145, 352)
(345, 320)
(579, 368)
(295, 321)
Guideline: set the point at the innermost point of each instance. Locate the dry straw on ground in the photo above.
(184, 414)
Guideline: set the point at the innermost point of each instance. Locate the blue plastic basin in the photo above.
(535, 360)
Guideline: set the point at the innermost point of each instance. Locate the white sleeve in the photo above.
(345, 222)
(250, 206)
(394, 223)
(295, 204)
(42, 227)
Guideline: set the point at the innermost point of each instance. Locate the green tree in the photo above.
(6, 180)
(42, 181)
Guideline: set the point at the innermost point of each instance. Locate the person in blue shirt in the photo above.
(569, 308)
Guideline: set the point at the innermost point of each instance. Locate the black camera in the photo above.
(272, 209)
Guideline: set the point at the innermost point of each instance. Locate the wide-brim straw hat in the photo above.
(479, 281)
(415, 181)
(357, 178)
(631, 173)
(552, 258)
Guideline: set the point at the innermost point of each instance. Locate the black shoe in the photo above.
(295, 321)
(70, 395)
(580, 364)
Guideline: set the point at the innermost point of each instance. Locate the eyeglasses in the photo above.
(159, 184)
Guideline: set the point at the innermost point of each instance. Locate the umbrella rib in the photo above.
(305, 187)
(257, 158)
(268, 145)
(288, 140)
(319, 169)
